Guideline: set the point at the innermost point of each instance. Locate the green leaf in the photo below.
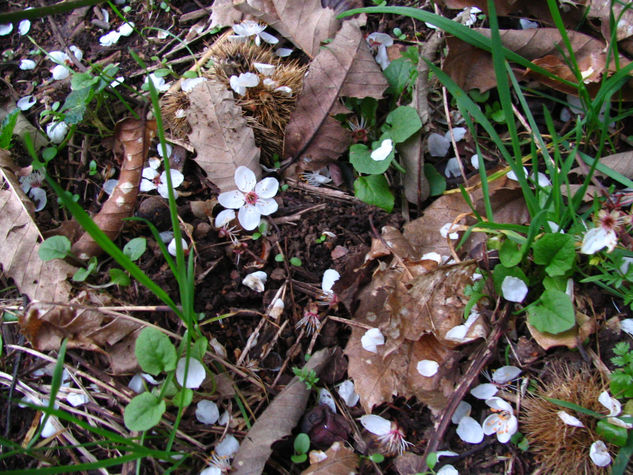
(611, 433)
(154, 352)
(552, 313)
(556, 252)
(135, 248)
(360, 157)
(295, 261)
(189, 74)
(299, 458)
(404, 122)
(500, 272)
(199, 348)
(55, 247)
(49, 153)
(302, 443)
(279, 257)
(82, 80)
(119, 277)
(6, 129)
(183, 397)
(76, 104)
(374, 190)
(83, 273)
(437, 182)
(377, 458)
(431, 460)
(510, 254)
(558, 283)
(143, 412)
(398, 74)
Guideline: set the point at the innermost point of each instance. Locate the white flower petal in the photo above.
(474, 161)
(610, 403)
(347, 393)
(195, 374)
(188, 84)
(283, 52)
(146, 185)
(268, 38)
(163, 190)
(171, 248)
(470, 431)
(326, 398)
(284, 90)
(597, 238)
(627, 325)
(256, 281)
(484, 391)
(58, 57)
(234, 82)
(330, 276)
(372, 339)
(27, 64)
(227, 447)
(463, 410)
(513, 289)
(269, 83)
(438, 145)
(445, 231)
(447, 469)
(379, 38)
(249, 217)
(569, 419)
(445, 453)
(24, 26)
(6, 28)
(109, 39)
(76, 52)
(207, 412)
(176, 178)
(452, 168)
(245, 179)
(60, 72)
(599, 454)
(506, 374)
(432, 256)
(513, 176)
(126, 29)
(382, 57)
(427, 368)
(267, 188)
(266, 207)
(527, 24)
(248, 28)
(57, 131)
(375, 424)
(211, 470)
(26, 102)
(224, 217)
(265, 68)
(110, 185)
(382, 152)
(457, 334)
(38, 195)
(542, 180)
(149, 173)
(499, 404)
(77, 399)
(136, 383)
(49, 428)
(458, 133)
(248, 79)
(231, 199)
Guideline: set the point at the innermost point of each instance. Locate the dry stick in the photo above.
(478, 364)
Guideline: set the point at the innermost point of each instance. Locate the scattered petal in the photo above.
(463, 410)
(6, 29)
(159, 82)
(58, 57)
(188, 84)
(506, 374)
(446, 231)
(438, 145)
(77, 399)
(382, 152)
(283, 52)
(256, 281)
(599, 454)
(597, 238)
(427, 368)
(452, 168)
(195, 374)
(284, 90)
(484, 391)
(375, 424)
(77, 52)
(38, 195)
(330, 276)
(447, 469)
(513, 176)
(627, 325)
(110, 39)
(474, 161)
(326, 398)
(610, 403)
(24, 26)
(126, 29)
(527, 24)
(60, 72)
(207, 412)
(347, 393)
(513, 289)
(432, 256)
(458, 133)
(57, 131)
(470, 431)
(569, 419)
(224, 217)
(27, 64)
(265, 68)
(172, 246)
(227, 447)
(26, 102)
(372, 339)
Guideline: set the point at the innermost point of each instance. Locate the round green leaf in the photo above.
(555, 251)
(143, 412)
(302, 443)
(119, 277)
(183, 397)
(295, 261)
(437, 182)
(56, 247)
(510, 254)
(374, 190)
(154, 352)
(553, 313)
(135, 248)
(404, 122)
(360, 158)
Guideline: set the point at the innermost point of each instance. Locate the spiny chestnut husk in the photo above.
(559, 448)
(267, 111)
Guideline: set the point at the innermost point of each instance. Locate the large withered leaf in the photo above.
(472, 68)
(220, 135)
(223, 13)
(602, 9)
(345, 67)
(340, 461)
(305, 23)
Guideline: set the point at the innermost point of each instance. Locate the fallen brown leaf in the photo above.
(585, 326)
(602, 10)
(345, 67)
(220, 135)
(339, 460)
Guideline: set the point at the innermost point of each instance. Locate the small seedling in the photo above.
(309, 377)
(92, 168)
(301, 447)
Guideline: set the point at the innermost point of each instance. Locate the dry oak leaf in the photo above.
(343, 68)
(340, 460)
(472, 68)
(305, 23)
(220, 135)
(223, 13)
(602, 9)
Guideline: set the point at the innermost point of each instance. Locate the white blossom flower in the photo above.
(599, 454)
(159, 82)
(243, 81)
(57, 131)
(446, 230)
(171, 248)
(27, 64)
(469, 430)
(382, 41)
(221, 459)
(23, 27)
(256, 281)
(224, 217)
(597, 238)
(109, 39)
(382, 152)
(502, 422)
(60, 72)
(513, 289)
(484, 391)
(26, 102)
(253, 199)
(6, 29)
(347, 393)
(389, 434)
(32, 186)
(569, 420)
(249, 28)
(152, 180)
(195, 373)
(427, 368)
(505, 374)
(207, 412)
(330, 276)
(372, 339)
(452, 168)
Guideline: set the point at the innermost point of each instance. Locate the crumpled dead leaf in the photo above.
(619, 162)
(223, 13)
(345, 68)
(277, 421)
(220, 134)
(46, 324)
(340, 460)
(306, 24)
(602, 9)
(472, 68)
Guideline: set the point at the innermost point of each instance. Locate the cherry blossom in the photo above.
(569, 420)
(245, 80)
(152, 180)
(159, 82)
(427, 368)
(347, 393)
(513, 289)
(32, 186)
(502, 421)
(469, 430)
(382, 152)
(380, 41)
(372, 339)
(252, 199)
(389, 434)
(27, 64)
(26, 102)
(500, 377)
(6, 28)
(23, 27)
(330, 276)
(57, 131)
(452, 168)
(318, 178)
(256, 281)
(171, 248)
(599, 454)
(207, 412)
(249, 28)
(196, 373)
(222, 455)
